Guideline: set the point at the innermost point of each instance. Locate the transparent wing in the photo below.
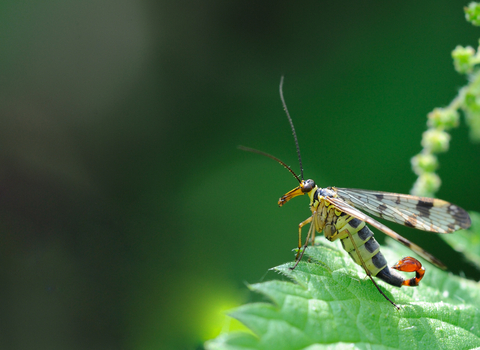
(422, 213)
(348, 209)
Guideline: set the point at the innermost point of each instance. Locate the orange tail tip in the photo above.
(409, 264)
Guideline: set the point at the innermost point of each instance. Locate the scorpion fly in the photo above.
(335, 211)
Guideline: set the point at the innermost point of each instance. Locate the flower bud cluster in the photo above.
(436, 139)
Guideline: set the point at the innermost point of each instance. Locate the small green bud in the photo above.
(472, 13)
(472, 102)
(435, 140)
(424, 163)
(462, 59)
(443, 118)
(426, 185)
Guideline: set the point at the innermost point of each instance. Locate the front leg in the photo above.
(301, 251)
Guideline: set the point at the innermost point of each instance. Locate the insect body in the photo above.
(334, 211)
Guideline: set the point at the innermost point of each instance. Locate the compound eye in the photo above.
(308, 186)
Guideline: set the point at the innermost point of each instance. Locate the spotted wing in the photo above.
(422, 213)
(348, 209)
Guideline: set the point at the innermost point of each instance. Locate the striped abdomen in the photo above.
(369, 249)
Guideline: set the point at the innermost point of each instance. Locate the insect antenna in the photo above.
(253, 150)
(293, 128)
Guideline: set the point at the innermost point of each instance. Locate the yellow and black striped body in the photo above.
(339, 225)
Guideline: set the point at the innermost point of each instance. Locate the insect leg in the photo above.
(409, 264)
(301, 251)
(366, 269)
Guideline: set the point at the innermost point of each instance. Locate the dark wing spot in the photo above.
(425, 202)
(424, 208)
(409, 224)
(411, 221)
(462, 219)
(453, 209)
(451, 227)
(398, 200)
(382, 208)
(379, 196)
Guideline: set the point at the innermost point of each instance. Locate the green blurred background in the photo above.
(128, 218)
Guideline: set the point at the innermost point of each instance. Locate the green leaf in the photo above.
(331, 305)
(467, 241)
